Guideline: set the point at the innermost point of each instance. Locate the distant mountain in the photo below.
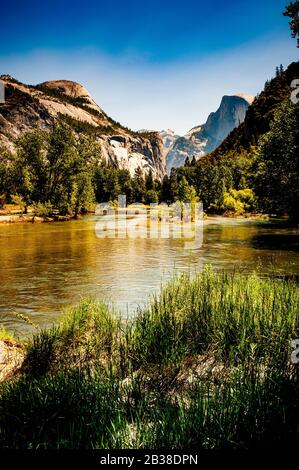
(178, 148)
(259, 115)
(28, 107)
(204, 138)
(169, 137)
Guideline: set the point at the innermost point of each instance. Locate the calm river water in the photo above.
(45, 267)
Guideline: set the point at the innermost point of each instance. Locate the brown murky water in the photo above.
(45, 267)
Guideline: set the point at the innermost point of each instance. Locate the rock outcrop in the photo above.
(28, 107)
(203, 139)
(11, 359)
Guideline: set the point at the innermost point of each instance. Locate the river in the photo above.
(45, 267)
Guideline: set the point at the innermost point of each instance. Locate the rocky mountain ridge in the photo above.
(28, 107)
(204, 138)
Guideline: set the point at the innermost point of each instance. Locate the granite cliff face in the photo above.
(169, 137)
(205, 138)
(27, 108)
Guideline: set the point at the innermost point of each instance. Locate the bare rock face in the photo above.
(27, 108)
(169, 137)
(203, 139)
(11, 359)
(69, 88)
(181, 148)
(130, 153)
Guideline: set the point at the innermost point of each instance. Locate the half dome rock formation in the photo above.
(204, 138)
(29, 107)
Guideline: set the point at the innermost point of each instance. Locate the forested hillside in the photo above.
(256, 167)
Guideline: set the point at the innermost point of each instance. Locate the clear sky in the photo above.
(149, 64)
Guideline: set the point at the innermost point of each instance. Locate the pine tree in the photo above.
(165, 189)
(187, 161)
(173, 185)
(149, 181)
(139, 186)
(292, 11)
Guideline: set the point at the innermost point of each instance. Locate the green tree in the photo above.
(55, 168)
(187, 161)
(193, 161)
(6, 162)
(29, 168)
(277, 163)
(112, 186)
(126, 185)
(23, 186)
(292, 11)
(186, 192)
(83, 193)
(99, 182)
(139, 186)
(149, 181)
(173, 185)
(63, 164)
(151, 196)
(165, 195)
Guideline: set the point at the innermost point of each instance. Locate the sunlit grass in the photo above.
(6, 335)
(232, 316)
(87, 335)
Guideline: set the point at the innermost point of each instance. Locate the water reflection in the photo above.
(45, 267)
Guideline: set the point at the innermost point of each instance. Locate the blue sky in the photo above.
(150, 64)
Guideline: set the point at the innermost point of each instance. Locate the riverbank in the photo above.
(31, 218)
(206, 365)
(13, 214)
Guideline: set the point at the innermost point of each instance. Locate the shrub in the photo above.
(42, 210)
(238, 201)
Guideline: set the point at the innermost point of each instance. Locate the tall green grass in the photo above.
(233, 316)
(245, 412)
(206, 365)
(86, 336)
(70, 409)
